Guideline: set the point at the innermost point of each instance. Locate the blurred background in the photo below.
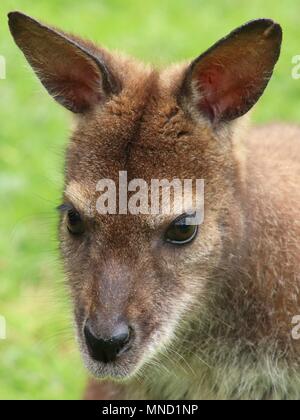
(39, 358)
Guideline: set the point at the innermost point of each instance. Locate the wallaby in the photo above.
(164, 309)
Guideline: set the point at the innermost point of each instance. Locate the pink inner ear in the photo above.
(76, 93)
(77, 86)
(222, 91)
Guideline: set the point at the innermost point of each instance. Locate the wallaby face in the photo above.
(134, 291)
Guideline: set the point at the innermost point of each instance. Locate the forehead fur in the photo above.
(143, 131)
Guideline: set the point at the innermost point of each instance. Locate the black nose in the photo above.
(108, 349)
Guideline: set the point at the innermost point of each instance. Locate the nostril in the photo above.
(120, 334)
(107, 349)
(121, 339)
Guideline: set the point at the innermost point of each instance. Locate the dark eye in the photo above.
(180, 233)
(74, 222)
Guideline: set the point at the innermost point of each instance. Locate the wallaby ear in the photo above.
(75, 76)
(228, 79)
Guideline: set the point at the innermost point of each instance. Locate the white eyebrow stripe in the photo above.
(79, 197)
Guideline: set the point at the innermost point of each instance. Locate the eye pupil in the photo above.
(179, 232)
(183, 228)
(74, 222)
(73, 217)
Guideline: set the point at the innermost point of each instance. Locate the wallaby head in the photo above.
(137, 279)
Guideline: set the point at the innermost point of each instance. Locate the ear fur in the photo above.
(71, 72)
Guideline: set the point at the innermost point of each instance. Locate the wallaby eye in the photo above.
(181, 233)
(75, 224)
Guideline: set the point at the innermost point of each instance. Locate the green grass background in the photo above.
(39, 359)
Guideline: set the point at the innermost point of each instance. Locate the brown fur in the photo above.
(212, 319)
